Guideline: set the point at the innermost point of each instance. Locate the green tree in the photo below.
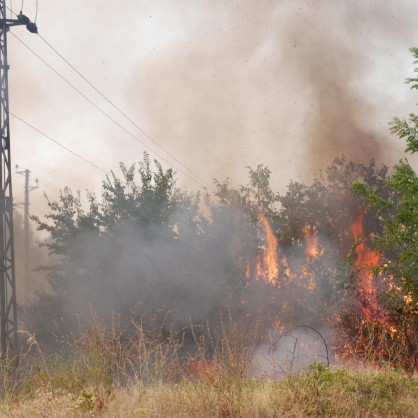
(106, 251)
(147, 248)
(398, 210)
(328, 207)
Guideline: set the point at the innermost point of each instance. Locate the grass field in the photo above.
(101, 373)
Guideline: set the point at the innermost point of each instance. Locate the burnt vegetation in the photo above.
(338, 255)
(148, 251)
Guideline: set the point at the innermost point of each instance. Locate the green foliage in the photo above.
(398, 242)
(357, 392)
(328, 207)
(124, 204)
(403, 128)
(100, 246)
(146, 248)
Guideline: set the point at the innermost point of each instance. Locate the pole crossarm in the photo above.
(21, 20)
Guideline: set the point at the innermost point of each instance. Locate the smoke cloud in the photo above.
(225, 85)
(292, 84)
(222, 86)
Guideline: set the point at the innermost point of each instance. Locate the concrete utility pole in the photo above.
(26, 205)
(8, 308)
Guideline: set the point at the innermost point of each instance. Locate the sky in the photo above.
(218, 85)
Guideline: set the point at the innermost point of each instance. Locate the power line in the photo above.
(117, 108)
(46, 182)
(8, 302)
(42, 180)
(191, 175)
(185, 170)
(26, 247)
(58, 143)
(75, 88)
(10, 9)
(95, 88)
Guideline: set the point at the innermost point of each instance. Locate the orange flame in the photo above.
(312, 249)
(297, 275)
(267, 265)
(365, 259)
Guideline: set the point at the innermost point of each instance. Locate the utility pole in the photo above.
(8, 308)
(26, 205)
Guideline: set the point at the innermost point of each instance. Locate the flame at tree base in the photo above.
(266, 266)
(365, 260)
(367, 332)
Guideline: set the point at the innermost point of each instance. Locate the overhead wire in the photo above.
(50, 138)
(45, 182)
(185, 170)
(58, 143)
(42, 180)
(10, 9)
(50, 185)
(73, 86)
(189, 173)
(118, 109)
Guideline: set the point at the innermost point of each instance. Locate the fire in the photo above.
(312, 249)
(365, 260)
(247, 269)
(267, 265)
(374, 335)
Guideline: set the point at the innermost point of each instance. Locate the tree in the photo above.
(311, 290)
(398, 211)
(148, 249)
(109, 251)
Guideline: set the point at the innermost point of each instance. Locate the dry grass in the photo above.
(104, 373)
(326, 393)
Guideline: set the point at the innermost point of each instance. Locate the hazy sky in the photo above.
(219, 84)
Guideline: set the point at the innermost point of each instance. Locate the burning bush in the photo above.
(151, 251)
(303, 258)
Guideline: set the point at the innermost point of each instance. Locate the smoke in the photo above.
(291, 353)
(195, 275)
(27, 284)
(292, 84)
(331, 60)
(148, 273)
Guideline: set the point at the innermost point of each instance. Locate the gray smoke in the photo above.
(147, 273)
(292, 352)
(290, 84)
(221, 85)
(285, 83)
